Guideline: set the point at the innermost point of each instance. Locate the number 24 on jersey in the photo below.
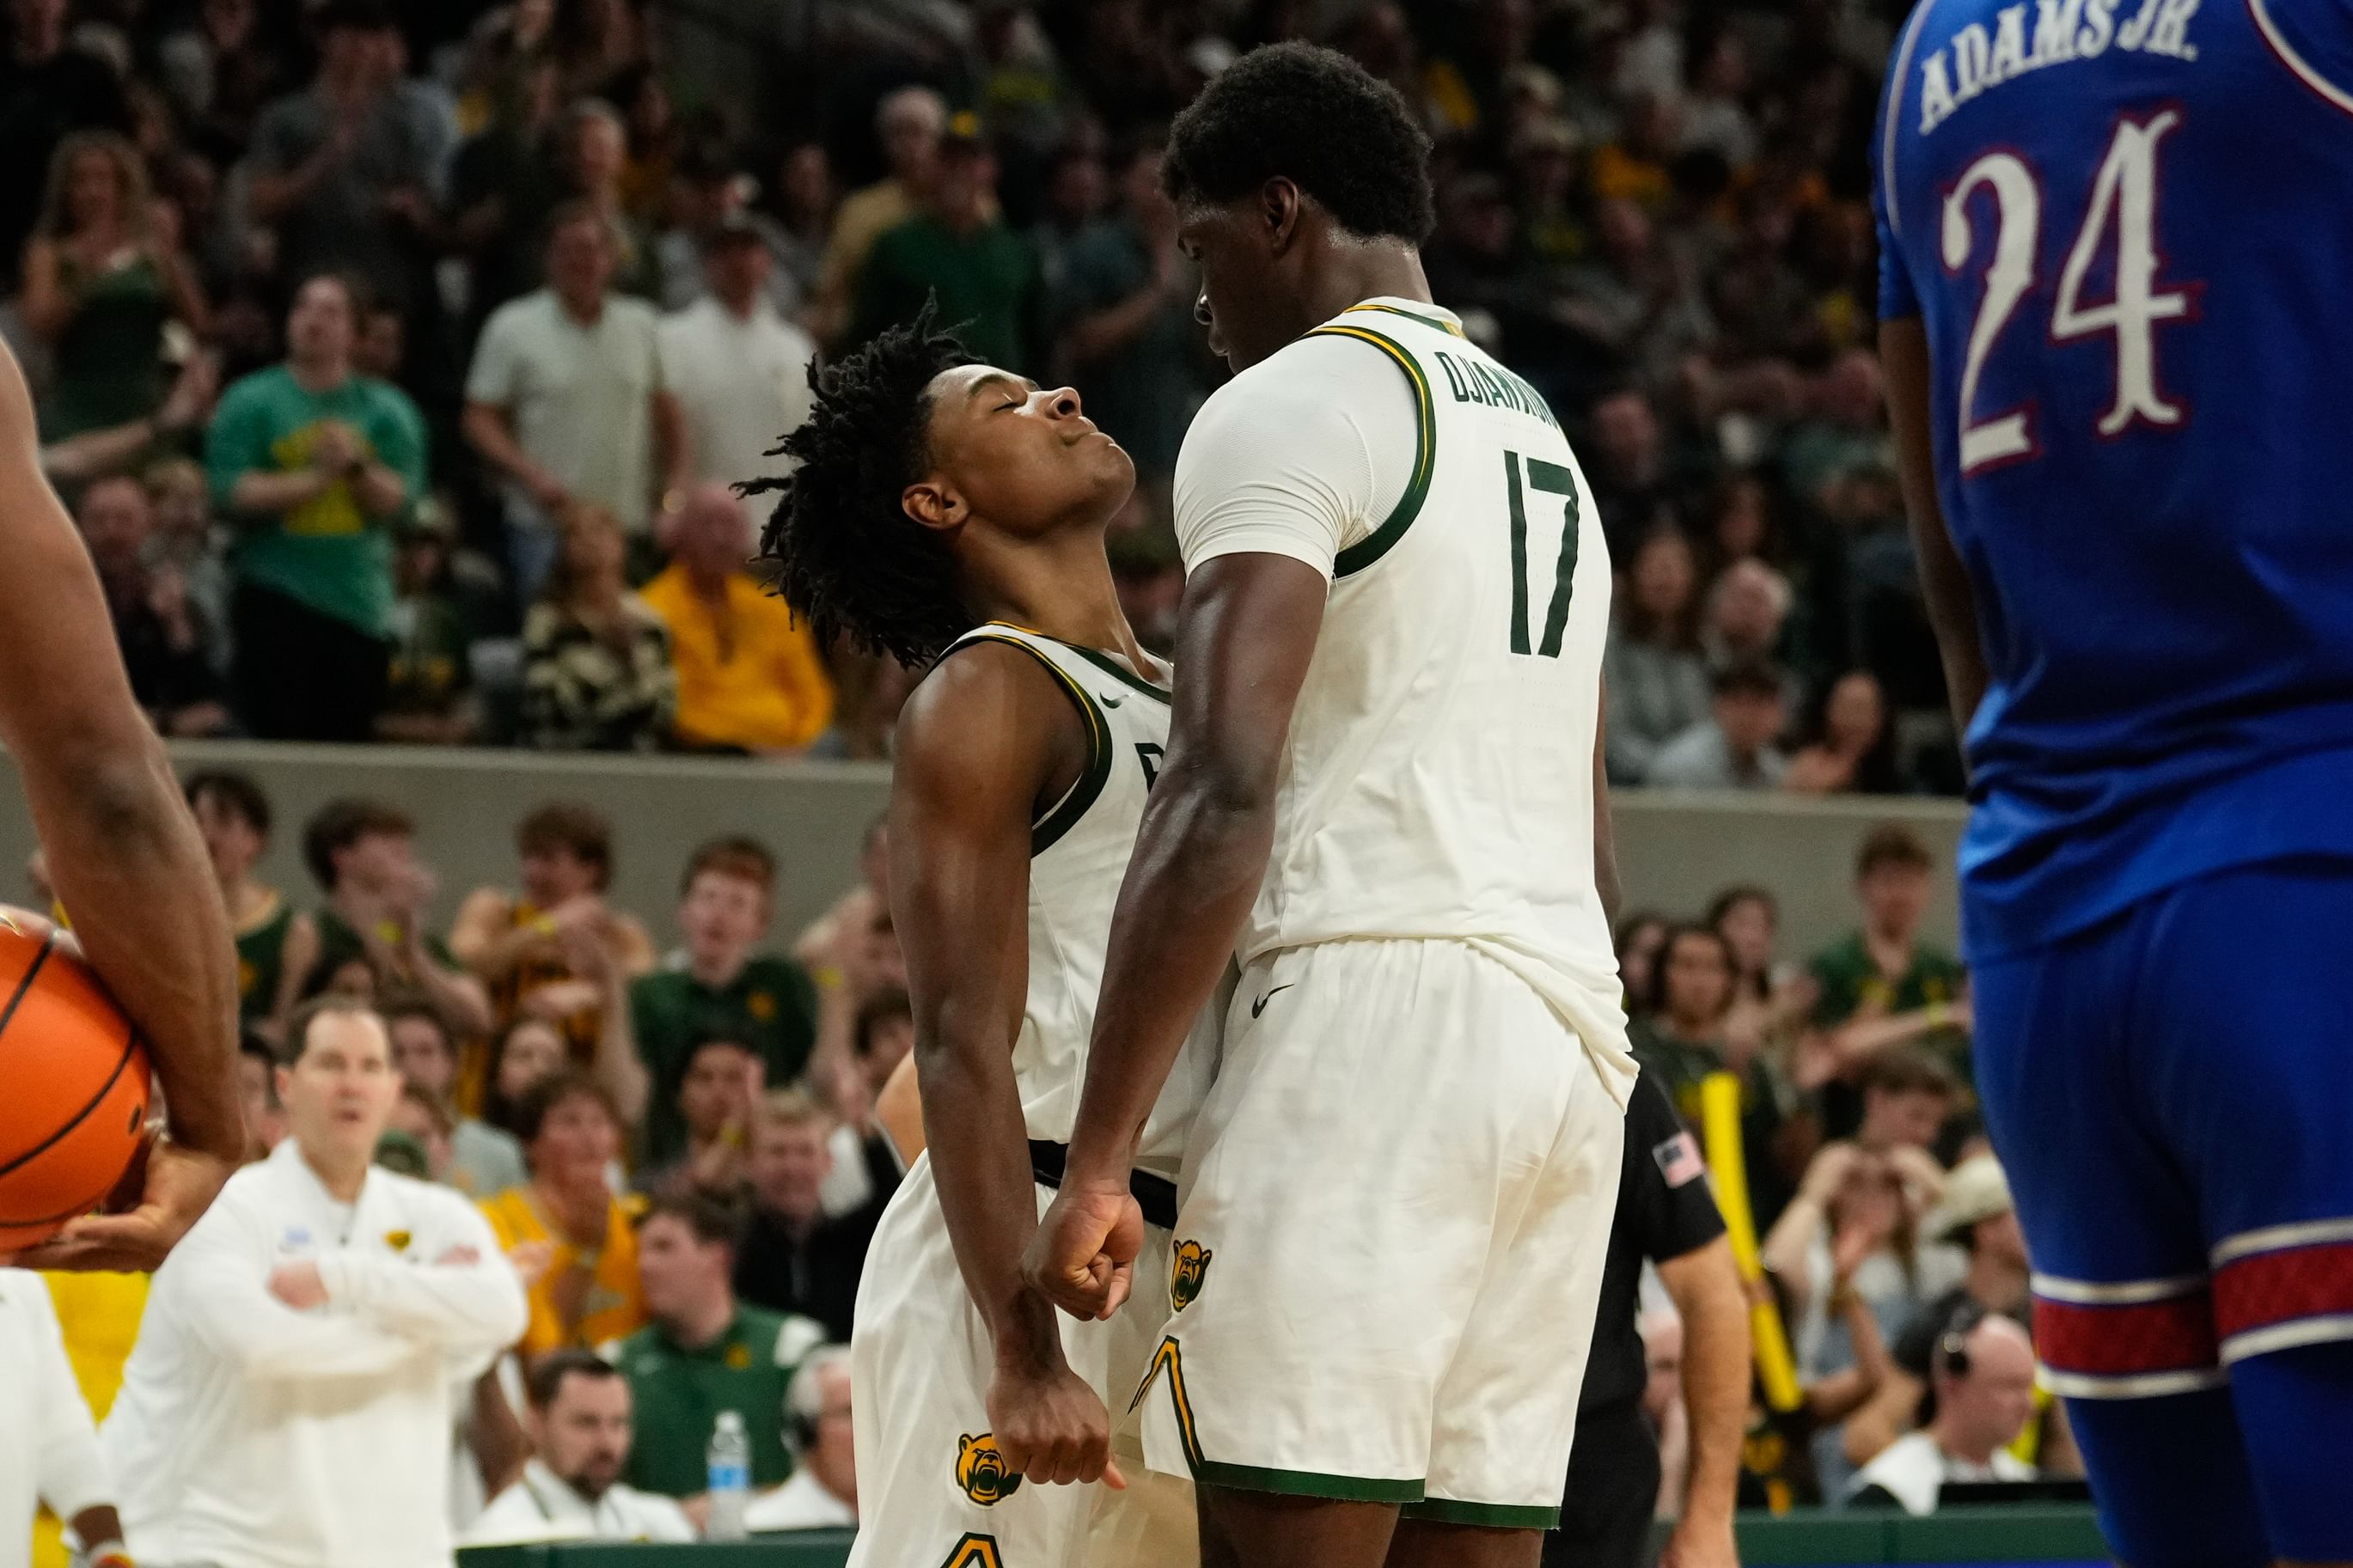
(2121, 217)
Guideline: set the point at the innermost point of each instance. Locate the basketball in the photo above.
(77, 1088)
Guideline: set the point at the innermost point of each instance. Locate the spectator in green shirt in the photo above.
(1680, 1036)
(704, 1353)
(314, 464)
(363, 855)
(956, 247)
(1882, 985)
(724, 990)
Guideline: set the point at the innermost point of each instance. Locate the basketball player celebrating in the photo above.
(1380, 793)
(2114, 251)
(948, 511)
(123, 855)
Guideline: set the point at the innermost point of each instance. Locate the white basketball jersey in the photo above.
(1078, 852)
(1439, 775)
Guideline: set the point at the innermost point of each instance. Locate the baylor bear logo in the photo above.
(980, 1470)
(1192, 1261)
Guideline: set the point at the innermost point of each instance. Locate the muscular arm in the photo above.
(123, 852)
(1245, 633)
(1707, 1292)
(969, 771)
(1952, 610)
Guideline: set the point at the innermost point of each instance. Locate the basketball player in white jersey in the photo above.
(1381, 796)
(123, 854)
(952, 515)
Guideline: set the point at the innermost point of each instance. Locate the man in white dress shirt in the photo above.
(571, 1487)
(48, 1450)
(823, 1491)
(739, 370)
(288, 1402)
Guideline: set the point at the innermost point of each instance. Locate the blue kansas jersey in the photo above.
(2127, 228)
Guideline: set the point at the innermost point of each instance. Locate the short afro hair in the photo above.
(1317, 118)
(844, 554)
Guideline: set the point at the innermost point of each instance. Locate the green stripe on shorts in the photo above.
(1490, 1515)
(1307, 1483)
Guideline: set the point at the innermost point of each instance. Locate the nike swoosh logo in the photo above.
(1110, 701)
(1260, 1006)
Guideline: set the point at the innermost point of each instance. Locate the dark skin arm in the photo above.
(123, 854)
(1952, 607)
(981, 743)
(1245, 633)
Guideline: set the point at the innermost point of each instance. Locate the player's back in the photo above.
(2123, 225)
(1438, 776)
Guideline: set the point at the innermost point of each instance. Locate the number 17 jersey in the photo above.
(2123, 227)
(1438, 778)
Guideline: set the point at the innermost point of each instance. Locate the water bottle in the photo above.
(730, 1460)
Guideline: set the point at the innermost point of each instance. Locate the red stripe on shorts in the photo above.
(2270, 1288)
(2125, 1340)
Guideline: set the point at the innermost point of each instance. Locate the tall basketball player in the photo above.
(2115, 248)
(1381, 796)
(123, 854)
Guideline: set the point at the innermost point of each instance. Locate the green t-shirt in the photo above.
(339, 944)
(987, 283)
(678, 1394)
(260, 949)
(328, 553)
(771, 1007)
(1849, 980)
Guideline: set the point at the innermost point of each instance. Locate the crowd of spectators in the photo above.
(1887, 1238)
(471, 312)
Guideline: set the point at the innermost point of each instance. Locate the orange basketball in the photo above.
(74, 1089)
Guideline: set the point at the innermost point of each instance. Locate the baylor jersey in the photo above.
(1078, 852)
(1438, 781)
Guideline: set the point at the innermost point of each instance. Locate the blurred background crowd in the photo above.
(397, 363)
(396, 359)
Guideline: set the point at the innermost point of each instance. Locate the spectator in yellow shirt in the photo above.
(748, 678)
(588, 1293)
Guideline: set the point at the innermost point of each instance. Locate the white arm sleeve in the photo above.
(471, 1308)
(73, 1473)
(1300, 456)
(228, 1309)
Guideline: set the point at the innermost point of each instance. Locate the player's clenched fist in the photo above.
(1083, 1257)
(1049, 1426)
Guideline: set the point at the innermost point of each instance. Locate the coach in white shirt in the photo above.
(48, 1450)
(822, 1493)
(288, 1400)
(571, 1487)
(739, 370)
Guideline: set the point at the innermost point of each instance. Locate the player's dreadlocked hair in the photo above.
(1316, 117)
(844, 554)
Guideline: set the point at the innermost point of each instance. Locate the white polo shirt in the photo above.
(801, 1503)
(543, 1506)
(258, 1437)
(741, 384)
(580, 397)
(48, 1449)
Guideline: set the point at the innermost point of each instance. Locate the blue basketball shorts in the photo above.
(2171, 1095)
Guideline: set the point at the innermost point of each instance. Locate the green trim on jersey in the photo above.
(1118, 671)
(1437, 324)
(1377, 544)
(1488, 1515)
(1064, 813)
